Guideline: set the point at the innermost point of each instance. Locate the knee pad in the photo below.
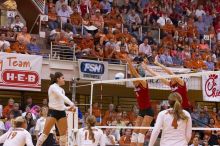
(63, 140)
(141, 138)
(41, 139)
(134, 137)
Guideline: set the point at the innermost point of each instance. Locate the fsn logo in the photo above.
(92, 68)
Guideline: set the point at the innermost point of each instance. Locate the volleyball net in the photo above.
(121, 92)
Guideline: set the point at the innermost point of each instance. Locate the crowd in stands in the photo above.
(114, 116)
(16, 39)
(189, 30)
(181, 33)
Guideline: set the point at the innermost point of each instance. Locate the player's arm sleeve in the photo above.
(156, 130)
(102, 139)
(4, 137)
(189, 129)
(29, 140)
(66, 99)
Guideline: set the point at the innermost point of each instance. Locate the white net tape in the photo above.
(198, 74)
(129, 127)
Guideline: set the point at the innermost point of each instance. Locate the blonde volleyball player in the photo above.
(176, 124)
(17, 136)
(57, 110)
(146, 113)
(90, 135)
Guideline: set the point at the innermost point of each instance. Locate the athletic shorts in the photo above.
(146, 112)
(56, 114)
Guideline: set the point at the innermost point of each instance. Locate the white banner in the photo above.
(93, 70)
(157, 84)
(211, 87)
(20, 71)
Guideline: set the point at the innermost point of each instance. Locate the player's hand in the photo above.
(71, 108)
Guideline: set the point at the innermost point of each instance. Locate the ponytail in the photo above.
(91, 134)
(178, 112)
(177, 107)
(90, 121)
(54, 77)
(175, 100)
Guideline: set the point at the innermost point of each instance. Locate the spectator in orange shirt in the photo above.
(96, 111)
(168, 27)
(51, 5)
(203, 45)
(109, 114)
(133, 114)
(132, 46)
(98, 52)
(118, 109)
(97, 19)
(19, 46)
(25, 34)
(8, 108)
(125, 140)
(168, 40)
(86, 46)
(182, 32)
(195, 44)
(52, 19)
(76, 19)
(125, 117)
(199, 64)
(61, 38)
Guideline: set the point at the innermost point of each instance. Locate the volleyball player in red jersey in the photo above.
(177, 85)
(146, 114)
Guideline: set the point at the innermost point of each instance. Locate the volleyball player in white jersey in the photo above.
(57, 110)
(90, 135)
(17, 136)
(176, 124)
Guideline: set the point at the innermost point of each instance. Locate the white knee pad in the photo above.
(134, 137)
(63, 140)
(41, 139)
(141, 138)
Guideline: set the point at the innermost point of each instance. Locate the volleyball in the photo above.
(119, 75)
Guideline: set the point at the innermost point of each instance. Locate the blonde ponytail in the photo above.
(90, 122)
(177, 107)
(178, 112)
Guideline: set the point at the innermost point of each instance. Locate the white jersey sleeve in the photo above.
(4, 136)
(29, 139)
(157, 128)
(62, 95)
(188, 127)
